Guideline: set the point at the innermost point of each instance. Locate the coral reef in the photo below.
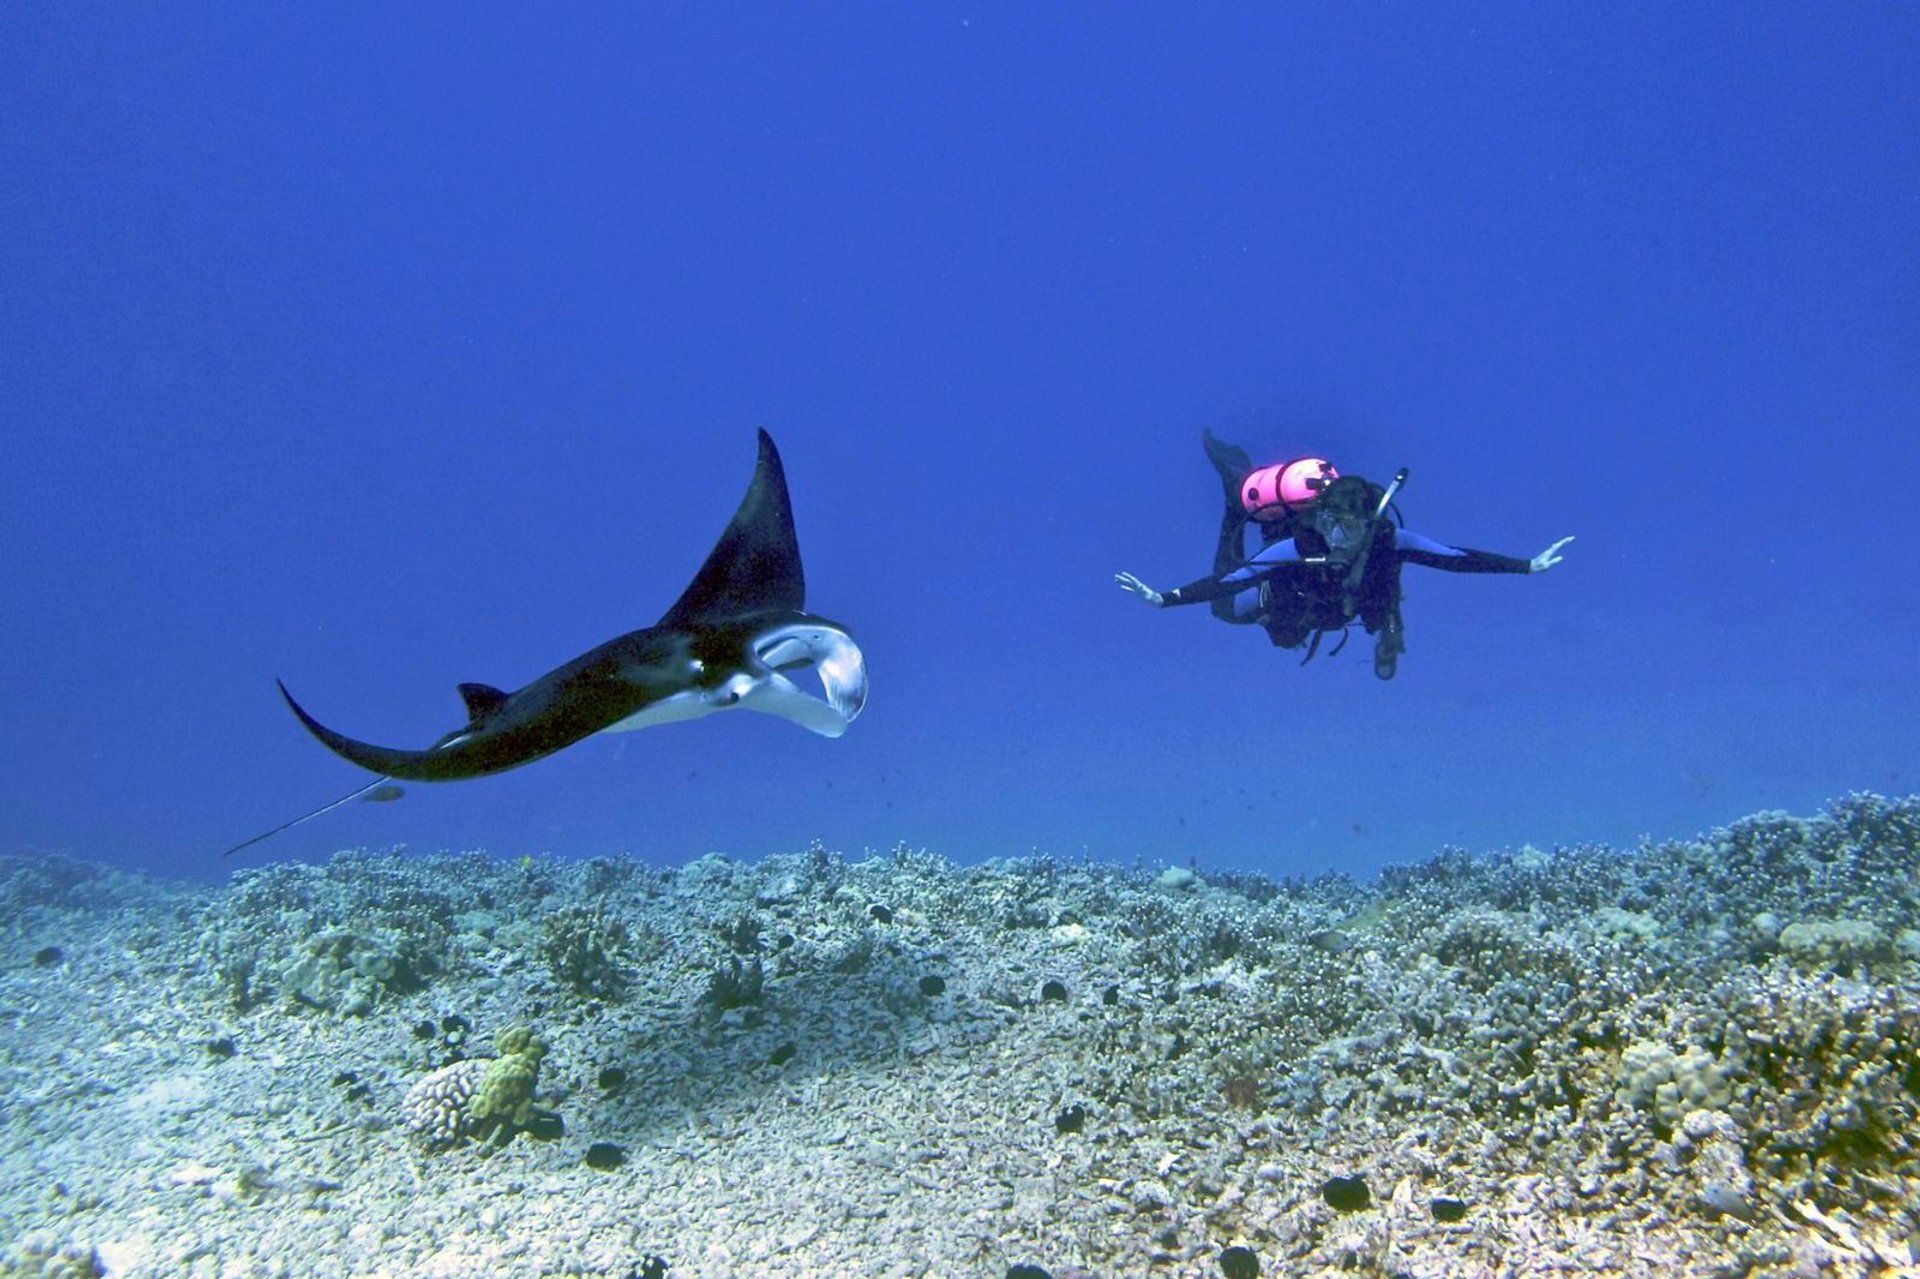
(1699, 1057)
(438, 1109)
(41, 1256)
(343, 938)
(504, 1098)
(583, 948)
(478, 1098)
(1666, 1085)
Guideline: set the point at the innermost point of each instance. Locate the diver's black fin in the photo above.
(1229, 459)
(482, 700)
(755, 566)
(347, 798)
(1230, 549)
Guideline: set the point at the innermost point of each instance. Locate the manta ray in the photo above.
(729, 642)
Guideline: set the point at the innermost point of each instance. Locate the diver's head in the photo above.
(1343, 518)
(1275, 492)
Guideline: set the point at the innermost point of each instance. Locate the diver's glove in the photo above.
(1547, 558)
(1128, 582)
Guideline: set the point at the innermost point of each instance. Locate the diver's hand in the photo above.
(1128, 582)
(1548, 558)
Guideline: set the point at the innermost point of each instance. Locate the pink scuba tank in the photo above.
(1275, 492)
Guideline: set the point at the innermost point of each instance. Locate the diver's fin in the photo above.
(348, 798)
(755, 566)
(482, 700)
(1229, 459)
(1230, 548)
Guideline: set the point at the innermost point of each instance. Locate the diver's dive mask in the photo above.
(1343, 533)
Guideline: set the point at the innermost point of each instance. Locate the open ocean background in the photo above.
(379, 348)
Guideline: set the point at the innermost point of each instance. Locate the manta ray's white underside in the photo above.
(829, 651)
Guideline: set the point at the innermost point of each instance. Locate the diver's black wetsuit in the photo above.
(1284, 557)
(1293, 597)
(1296, 594)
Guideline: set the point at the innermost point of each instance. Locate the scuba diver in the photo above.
(1329, 555)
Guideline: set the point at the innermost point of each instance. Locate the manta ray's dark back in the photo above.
(733, 640)
(755, 566)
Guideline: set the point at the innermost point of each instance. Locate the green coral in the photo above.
(345, 972)
(1658, 1081)
(1626, 925)
(480, 1098)
(505, 1095)
(1839, 945)
(583, 948)
(1839, 1119)
(41, 1256)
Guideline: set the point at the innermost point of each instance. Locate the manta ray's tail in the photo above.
(347, 798)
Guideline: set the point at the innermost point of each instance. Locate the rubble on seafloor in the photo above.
(1695, 1057)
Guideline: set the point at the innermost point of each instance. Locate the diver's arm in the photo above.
(1270, 558)
(1415, 549)
(1206, 588)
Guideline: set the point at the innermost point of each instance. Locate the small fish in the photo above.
(383, 794)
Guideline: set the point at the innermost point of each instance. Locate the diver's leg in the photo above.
(1389, 643)
(1229, 553)
(1380, 609)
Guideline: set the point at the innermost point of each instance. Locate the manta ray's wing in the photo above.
(755, 566)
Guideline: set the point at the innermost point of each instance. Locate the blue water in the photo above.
(382, 348)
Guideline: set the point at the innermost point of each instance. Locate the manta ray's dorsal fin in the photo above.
(482, 700)
(755, 566)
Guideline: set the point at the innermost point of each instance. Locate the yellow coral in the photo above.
(505, 1094)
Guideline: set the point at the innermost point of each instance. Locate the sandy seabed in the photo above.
(1690, 1058)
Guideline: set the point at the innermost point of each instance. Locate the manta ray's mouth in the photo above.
(832, 655)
